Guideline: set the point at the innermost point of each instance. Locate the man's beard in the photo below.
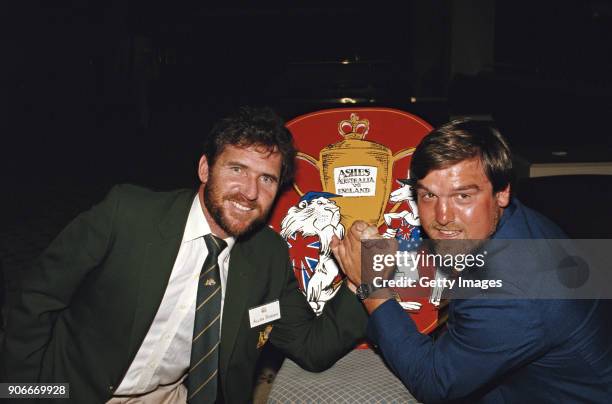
(213, 201)
(456, 247)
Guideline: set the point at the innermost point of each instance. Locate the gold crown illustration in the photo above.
(354, 128)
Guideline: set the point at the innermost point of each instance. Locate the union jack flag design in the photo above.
(304, 253)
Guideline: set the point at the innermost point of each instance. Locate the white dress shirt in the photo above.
(163, 358)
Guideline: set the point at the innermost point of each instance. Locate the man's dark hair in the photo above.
(461, 140)
(254, 127)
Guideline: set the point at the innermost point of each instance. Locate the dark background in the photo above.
(100, 92)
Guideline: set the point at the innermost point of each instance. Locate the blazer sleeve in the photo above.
(47, 288)
(487, 339)
(317, 342)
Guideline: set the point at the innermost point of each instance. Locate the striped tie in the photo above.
(202, 379)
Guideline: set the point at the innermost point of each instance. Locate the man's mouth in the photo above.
(241, 207)
(447, 233)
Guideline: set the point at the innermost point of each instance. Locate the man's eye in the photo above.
(266, 179)
(464, 196)
(427, 195)
(236, 169)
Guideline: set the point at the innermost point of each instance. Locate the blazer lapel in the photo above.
(161, 252)
(236, 295)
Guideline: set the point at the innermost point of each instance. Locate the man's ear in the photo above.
(203, 169)
(503, 197)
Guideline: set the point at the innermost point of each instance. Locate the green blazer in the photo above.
(87, 304)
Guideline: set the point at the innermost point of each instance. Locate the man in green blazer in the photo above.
(109, 307)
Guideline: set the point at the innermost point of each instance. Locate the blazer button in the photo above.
(111, 388)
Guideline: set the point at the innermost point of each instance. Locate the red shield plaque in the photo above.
(349, 165)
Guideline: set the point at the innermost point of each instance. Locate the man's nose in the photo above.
(444, 212)
(250, 188)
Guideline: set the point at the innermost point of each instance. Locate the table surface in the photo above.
(359, 377)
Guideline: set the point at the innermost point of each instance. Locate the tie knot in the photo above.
(214, 244)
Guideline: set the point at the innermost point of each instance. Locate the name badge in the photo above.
(264, 314)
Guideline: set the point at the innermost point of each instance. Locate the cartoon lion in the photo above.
(317, 215)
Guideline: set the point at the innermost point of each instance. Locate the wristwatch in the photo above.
(365, 290)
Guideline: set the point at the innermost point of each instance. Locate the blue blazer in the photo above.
(499, 351)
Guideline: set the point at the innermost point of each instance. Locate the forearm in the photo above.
(490, 339)
(372, 304)
(316, 343)
(407, 351)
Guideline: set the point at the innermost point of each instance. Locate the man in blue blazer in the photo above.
(495, 350)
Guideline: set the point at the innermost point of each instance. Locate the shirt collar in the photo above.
(197, 226)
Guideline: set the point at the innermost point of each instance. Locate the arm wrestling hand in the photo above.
(349, 254)
(348, 250)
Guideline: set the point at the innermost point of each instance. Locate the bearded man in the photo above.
(170, 296)
(501, 346)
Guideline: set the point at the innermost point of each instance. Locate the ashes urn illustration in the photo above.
(357, 169)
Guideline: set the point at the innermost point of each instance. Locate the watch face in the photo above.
(363, 291)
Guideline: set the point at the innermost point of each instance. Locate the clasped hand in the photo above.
(355, 253)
